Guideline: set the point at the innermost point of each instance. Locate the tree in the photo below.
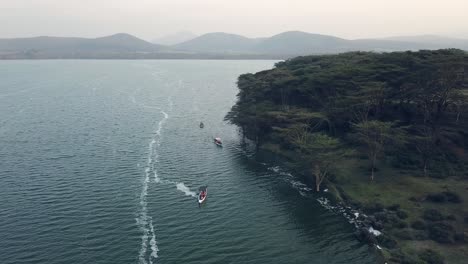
(323, 153)
(375, 135)
(424, 143)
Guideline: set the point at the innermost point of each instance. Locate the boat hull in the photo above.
(201, 200)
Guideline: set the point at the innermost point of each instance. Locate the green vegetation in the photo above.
(387, 133)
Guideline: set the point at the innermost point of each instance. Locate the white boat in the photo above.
(218, 142)
(202, 194)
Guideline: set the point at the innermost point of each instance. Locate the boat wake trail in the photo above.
(181, 187)
(145, 222)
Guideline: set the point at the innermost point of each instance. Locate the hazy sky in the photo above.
(148, 19)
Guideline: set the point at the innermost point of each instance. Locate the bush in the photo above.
(400, 257)
(394, 207)
(404, 234)
(381, 216)
(373, 208)
(418, 225)
(402, 214)
(436, 198)
(419, 235)
(452, 197)
(400, 224)
(442, 233)
(433, 215)
(387, 241)
(451, 217)
(431, 256)
(444, 197)
(460, 237)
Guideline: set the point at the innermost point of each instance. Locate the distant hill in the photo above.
(175, 38)
(434, 41)
(57, 47)
(219, 42)
(217, 45)
(296, 42)
(302, 43)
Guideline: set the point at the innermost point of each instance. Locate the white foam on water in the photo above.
(293, 181)
(158, 143)
(153, 244)
(144, 221)
(181, 187)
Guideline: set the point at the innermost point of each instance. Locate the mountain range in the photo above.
(218, 45)
(174, 38)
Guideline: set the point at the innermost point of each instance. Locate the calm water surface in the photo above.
(100, 162)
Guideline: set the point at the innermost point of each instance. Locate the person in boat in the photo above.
(202, 195)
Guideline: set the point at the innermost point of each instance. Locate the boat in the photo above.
(203, 193)
(202, 125)
(218, 142)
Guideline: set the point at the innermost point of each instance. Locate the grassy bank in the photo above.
(409, 191)
(399, 201)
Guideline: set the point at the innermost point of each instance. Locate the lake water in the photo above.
(100, 162)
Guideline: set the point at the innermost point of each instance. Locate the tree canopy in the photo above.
(365, 100)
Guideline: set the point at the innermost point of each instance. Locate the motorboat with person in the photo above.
(203, 193)
(218, 142)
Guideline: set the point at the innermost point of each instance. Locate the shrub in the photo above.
(418, 225)
(436, 198)
(394, 207)
(443, 197)
(402, 214)
(404, 234)
(387, 241)
(381, 216)
(451, 217)
(431, 256)
(419, 235)
(452, 197)
(400, 224)
(400, 257)
(442, 233)
(433, 215)
(460, 237)
(373, 208)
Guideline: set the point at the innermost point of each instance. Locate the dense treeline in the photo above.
(403, 113)
(409, 105)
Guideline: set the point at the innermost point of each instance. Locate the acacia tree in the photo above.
(375, 135)
(425, 146)
(324, 152)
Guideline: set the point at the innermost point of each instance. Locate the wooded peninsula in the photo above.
(387, 133)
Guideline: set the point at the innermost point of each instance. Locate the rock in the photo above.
(365, 236)
(387, 241)
(374, 232)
